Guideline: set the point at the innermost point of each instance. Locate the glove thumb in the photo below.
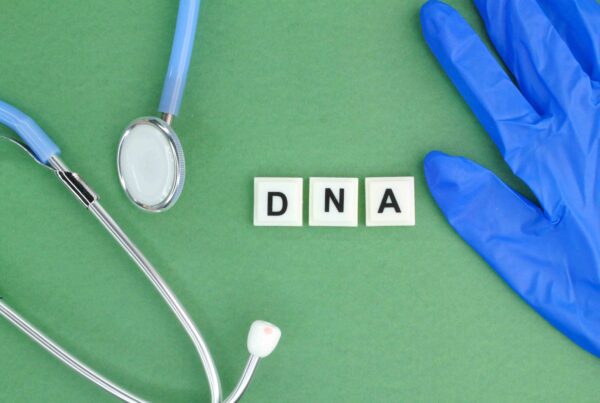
(507, 230)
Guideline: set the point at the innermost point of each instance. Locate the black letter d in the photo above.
(284, 204)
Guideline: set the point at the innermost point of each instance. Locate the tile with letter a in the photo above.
(390, 201)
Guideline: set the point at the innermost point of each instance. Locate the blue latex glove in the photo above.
(547, 127)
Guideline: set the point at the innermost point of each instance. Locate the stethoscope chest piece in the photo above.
(151, 164)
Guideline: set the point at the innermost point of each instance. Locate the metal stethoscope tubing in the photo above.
(163, 289)
(263, 336)
(72, 362)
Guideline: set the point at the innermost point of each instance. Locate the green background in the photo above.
(276, 88)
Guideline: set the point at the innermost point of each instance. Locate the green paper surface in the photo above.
(276, 88)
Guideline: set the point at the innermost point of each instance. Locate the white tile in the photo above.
(333, 202)
(390, 201)
(278, 202)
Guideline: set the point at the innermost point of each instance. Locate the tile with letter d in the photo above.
(333, 202)
(390, 201)
(278, 202)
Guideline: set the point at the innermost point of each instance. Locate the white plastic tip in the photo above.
(263, 338)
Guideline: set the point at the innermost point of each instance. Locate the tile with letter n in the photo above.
(390, 201)
(278, 202)
(333, 202)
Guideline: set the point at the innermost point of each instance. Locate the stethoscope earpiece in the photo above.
(263, 338)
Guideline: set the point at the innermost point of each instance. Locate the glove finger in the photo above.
(498, 104)
(507, 230)
(578, 23)
(544, 66)
(503, 111)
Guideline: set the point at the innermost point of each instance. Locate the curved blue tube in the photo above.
(33, 135)
(181, 53)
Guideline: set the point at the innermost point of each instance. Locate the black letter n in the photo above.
(339, 202)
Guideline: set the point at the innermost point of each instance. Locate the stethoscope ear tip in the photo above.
(263, 338)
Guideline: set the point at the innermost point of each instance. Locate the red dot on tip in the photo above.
(268, 330)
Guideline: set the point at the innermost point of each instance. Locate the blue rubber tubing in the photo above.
(36, 139)
(181, 53)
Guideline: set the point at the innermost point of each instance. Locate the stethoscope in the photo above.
(150, 158)
(263, 337)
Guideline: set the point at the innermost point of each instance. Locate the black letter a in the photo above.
(385, 203)
(284, 204)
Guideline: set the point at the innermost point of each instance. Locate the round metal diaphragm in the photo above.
(151, 164)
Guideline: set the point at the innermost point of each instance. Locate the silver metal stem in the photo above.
(167, 117)
(244, 381)
(69, 360)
